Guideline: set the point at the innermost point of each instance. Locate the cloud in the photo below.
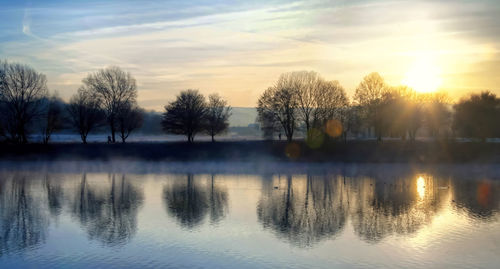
(27, 22)
(240, 48)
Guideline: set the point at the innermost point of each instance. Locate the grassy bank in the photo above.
(261, 151)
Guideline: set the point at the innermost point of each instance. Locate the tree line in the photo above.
(106, 98)
(304, 101)
(298, 102)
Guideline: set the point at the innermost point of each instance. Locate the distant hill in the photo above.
(242, 116)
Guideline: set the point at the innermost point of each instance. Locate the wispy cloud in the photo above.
(239, 48)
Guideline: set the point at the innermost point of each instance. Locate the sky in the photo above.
(239, 48)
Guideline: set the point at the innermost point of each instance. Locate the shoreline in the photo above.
(416, 152)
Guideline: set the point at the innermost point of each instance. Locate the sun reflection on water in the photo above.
(421, 187)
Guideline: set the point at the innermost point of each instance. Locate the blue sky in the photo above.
(239, 48)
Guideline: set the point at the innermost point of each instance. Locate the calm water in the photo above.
(133, 214)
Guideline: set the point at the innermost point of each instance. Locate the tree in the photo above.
(437, 115)
(278, 105)
(369, 95)
(129, 118)
(401, 112)
(185, 115)
(329, 99)
(113, 88)
(52, 117)
(217, 116)
(350, 119)
(84, 112)
(305, 85)
(477, 116)
(21, 91)
(317, 100)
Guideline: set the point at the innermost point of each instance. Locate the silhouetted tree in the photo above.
(478, 116)
(113, 88)
(329, 100)
(278, 106)
(217, 115)
(305, 85)
(350, 119)
(369, 96)
(436, 113)
(85, 114)
(185, 115)
(52, 118)
(401, 112)
(317, 100)
(21, 92)
(129, 118)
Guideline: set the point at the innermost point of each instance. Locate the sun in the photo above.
(423, 76)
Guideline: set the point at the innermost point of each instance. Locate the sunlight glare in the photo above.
(423, 76)
(421, 187)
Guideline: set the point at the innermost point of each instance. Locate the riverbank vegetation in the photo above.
(300, 105)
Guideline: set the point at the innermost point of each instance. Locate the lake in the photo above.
(237, 215)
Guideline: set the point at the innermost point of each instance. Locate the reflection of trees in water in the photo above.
(307, 212)
(22, 222)
(480, 199)
(189, 202)
(109, 216)
(55, 194)
(303, 214)
(380, 208)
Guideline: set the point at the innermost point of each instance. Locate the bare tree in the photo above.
(329, 99)
(185, 115)
(306, 85)
(278, 105)
(52, 117)
(129, 119)
(84, 112)
(217, 117)
(369, 95)
(114, 88)
(21, 92)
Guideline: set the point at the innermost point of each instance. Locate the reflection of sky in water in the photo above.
(370, 218)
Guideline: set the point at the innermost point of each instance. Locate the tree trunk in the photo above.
(213, 139)
(113, 134)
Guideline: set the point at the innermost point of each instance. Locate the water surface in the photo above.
(133, 214)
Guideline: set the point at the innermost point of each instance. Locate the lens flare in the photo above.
(315, 138)
(334, 128)
(292, 150)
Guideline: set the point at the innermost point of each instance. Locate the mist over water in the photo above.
(152, 214)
